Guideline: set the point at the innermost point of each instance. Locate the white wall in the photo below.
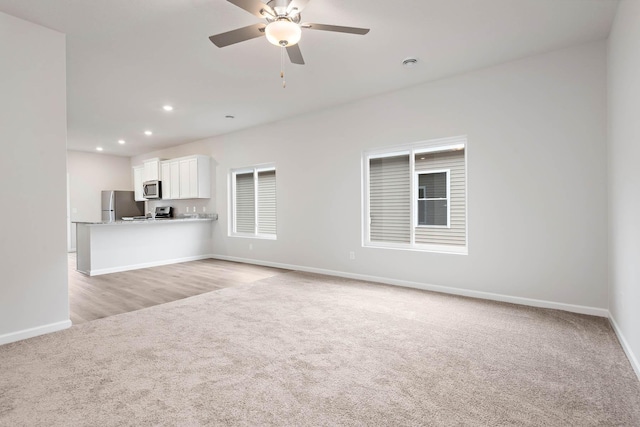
(33, 290)
(89, 174)
(536, 168)
(624, 176)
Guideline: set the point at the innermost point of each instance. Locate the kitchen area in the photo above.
(142, 228)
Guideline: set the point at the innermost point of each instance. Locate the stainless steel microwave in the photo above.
(152, 189)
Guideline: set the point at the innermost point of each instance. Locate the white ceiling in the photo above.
(125, 59)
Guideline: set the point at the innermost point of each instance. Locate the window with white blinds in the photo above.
(253, 202)
(415, 196)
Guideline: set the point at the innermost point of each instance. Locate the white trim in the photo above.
(419, 247)
(34, 332)
(101, 271)
(633, 360)
(413, 202)
(382, 153)
(231, 208)
(439, 149)
(592, 311)
(466, 195)
(442, 144)
(255, 236)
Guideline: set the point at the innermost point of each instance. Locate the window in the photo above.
(253, 202)
(415, 197)
(433, 198)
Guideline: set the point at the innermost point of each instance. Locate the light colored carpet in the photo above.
(302, 349)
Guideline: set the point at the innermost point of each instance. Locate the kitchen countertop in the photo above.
(146, 221)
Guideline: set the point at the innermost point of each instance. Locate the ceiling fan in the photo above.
(282, 27)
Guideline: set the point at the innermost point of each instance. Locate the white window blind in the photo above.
(267, 202)
(245, 204)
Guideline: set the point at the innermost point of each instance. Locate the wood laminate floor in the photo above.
(92, 298)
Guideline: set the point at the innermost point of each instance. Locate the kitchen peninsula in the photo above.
(112, 246)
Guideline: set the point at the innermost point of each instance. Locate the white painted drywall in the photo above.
(89, 174)
(536, 166)
(33, 129)
(624, 175)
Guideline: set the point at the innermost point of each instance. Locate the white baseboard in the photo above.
(625, 346)
(593, 311)
(100, 271)
(34, 332)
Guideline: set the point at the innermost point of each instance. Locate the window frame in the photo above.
(255, 170)
(420, 147)
(417, 199)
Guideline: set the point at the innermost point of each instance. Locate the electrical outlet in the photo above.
(352, 255)
(204, 209)
(194, 209)
(250, 246)
(187, 209)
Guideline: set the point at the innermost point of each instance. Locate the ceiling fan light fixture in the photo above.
(283, 32)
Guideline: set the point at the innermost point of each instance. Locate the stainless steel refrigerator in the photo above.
(116, 204)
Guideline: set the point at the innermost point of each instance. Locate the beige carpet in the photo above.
(301, 349)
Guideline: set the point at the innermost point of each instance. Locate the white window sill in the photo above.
(441, 249)
(254, 236)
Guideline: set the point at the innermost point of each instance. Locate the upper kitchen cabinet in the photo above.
(138, 179)
(148, 171)
(151, 169)
(170, 177)
(186, 177)
(195, 177)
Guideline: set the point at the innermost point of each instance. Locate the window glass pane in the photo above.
(432, 212)
(267, 202)
(390, 199)
(434, 184)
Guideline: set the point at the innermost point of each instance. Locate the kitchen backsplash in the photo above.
(181, 207)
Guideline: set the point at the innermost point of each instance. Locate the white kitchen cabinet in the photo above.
(165, 177)
(170, 177)
(195, 177)
(138, 179)
(182, 178)
(174, 167)
(151, 169)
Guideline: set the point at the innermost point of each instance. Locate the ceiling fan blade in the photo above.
(336, 28)
(296, 6)
(239, 35)
(255, 7)
(295, 55)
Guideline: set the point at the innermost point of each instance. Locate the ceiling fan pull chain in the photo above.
(284, 83)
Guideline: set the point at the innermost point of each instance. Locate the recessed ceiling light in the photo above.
(229, 116)
(148, 132)
(410, 62)
(167, 108)
(121, 141)
(98, 148)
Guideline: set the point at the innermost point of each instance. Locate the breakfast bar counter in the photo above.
(112, 246)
